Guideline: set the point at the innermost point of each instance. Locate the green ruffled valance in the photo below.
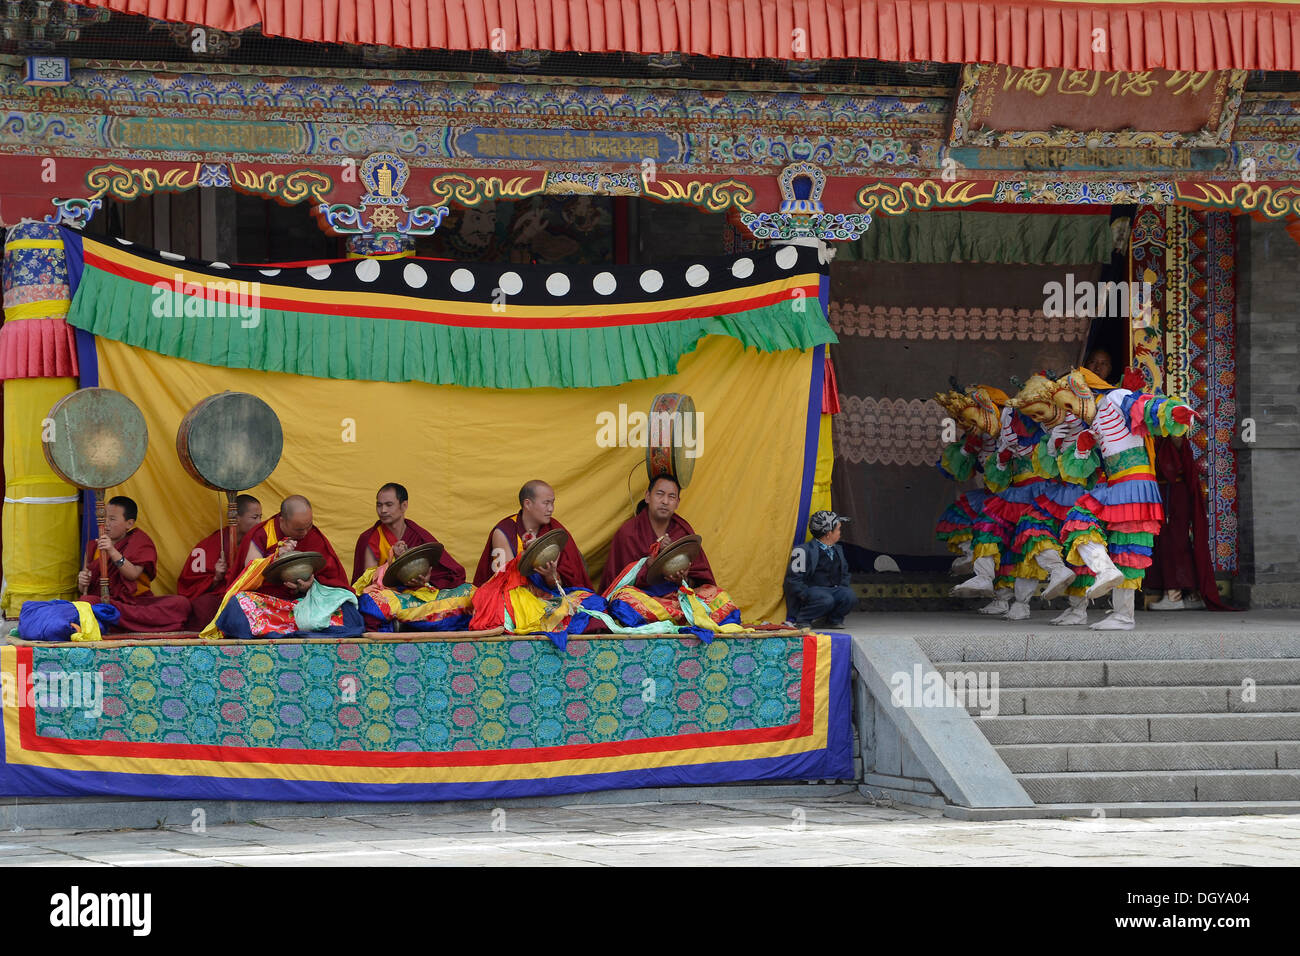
(119, 307)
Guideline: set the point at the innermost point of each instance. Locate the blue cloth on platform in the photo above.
(56, 620)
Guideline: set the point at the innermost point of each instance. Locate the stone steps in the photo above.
(1144, 786)
(1188, 673)
(1093, 730)
(1182, 755)
(1076, 701)
(1140, 728)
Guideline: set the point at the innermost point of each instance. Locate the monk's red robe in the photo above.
(199, 585)
(447, 573)
(632, 542)
(572, 570)
(141, 609)
(332, 574)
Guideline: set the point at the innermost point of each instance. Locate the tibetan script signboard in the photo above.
(1003, 106)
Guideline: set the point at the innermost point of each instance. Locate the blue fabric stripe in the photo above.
(810, 436)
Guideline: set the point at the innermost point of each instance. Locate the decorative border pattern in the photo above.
(1148, 258)
(928, 322)
(894, 199)
(1212, 371)
(887, 431)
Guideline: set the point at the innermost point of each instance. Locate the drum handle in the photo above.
(101, 515)
(229, 529)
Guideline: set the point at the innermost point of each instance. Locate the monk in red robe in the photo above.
(393, 534)
(132, 562)
(630, 596)
(204, 578)
(656, 521)
(292, 530)
(513, 533)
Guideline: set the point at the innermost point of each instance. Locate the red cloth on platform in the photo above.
(633, 541)
(446, 574)
(573, 571)
(331, 575)
(141, 609)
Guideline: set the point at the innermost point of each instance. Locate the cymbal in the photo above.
(675, 558)
(543, 550)
(413, 563)
(294, 566)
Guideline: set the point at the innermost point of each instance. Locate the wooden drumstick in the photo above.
(101, 515)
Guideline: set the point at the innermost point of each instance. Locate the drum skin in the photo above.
(98, 438)
(230, 442)
(665, 453)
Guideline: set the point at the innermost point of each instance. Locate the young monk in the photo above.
(132, 562)
(204, 579)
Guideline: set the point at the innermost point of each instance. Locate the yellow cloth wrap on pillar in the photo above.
(821, 492)
(42, 544)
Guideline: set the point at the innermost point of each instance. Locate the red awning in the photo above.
(1188, 35)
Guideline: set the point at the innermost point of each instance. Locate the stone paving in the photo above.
(839, 831)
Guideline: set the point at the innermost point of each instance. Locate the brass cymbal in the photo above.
(294, 566)
(413, 563)
(675, 558)
(543, 550)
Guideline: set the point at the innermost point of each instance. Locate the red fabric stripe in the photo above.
(1027, 33)
(38, 348)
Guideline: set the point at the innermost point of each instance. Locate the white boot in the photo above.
(1001, 601)
(981, 585)
(965, 563)
(1024, 590)
(1121, 618)
(1076, 613)
(1059, 576)
(1103, 568)
(1172, 601)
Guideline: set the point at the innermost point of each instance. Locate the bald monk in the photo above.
(393, 534)
(513, 533)
(632, 599)
(132, 562)
(292, 530)
(204, 579)
(505, 598)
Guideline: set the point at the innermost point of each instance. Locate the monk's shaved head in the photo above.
(294, 504)
(532, 490)
(295, 517)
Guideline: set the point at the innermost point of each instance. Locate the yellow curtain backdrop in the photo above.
(463, 453)
(821, 493)
(41, 538)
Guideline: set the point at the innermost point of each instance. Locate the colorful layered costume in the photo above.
(1123, 510)
(249, 611)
